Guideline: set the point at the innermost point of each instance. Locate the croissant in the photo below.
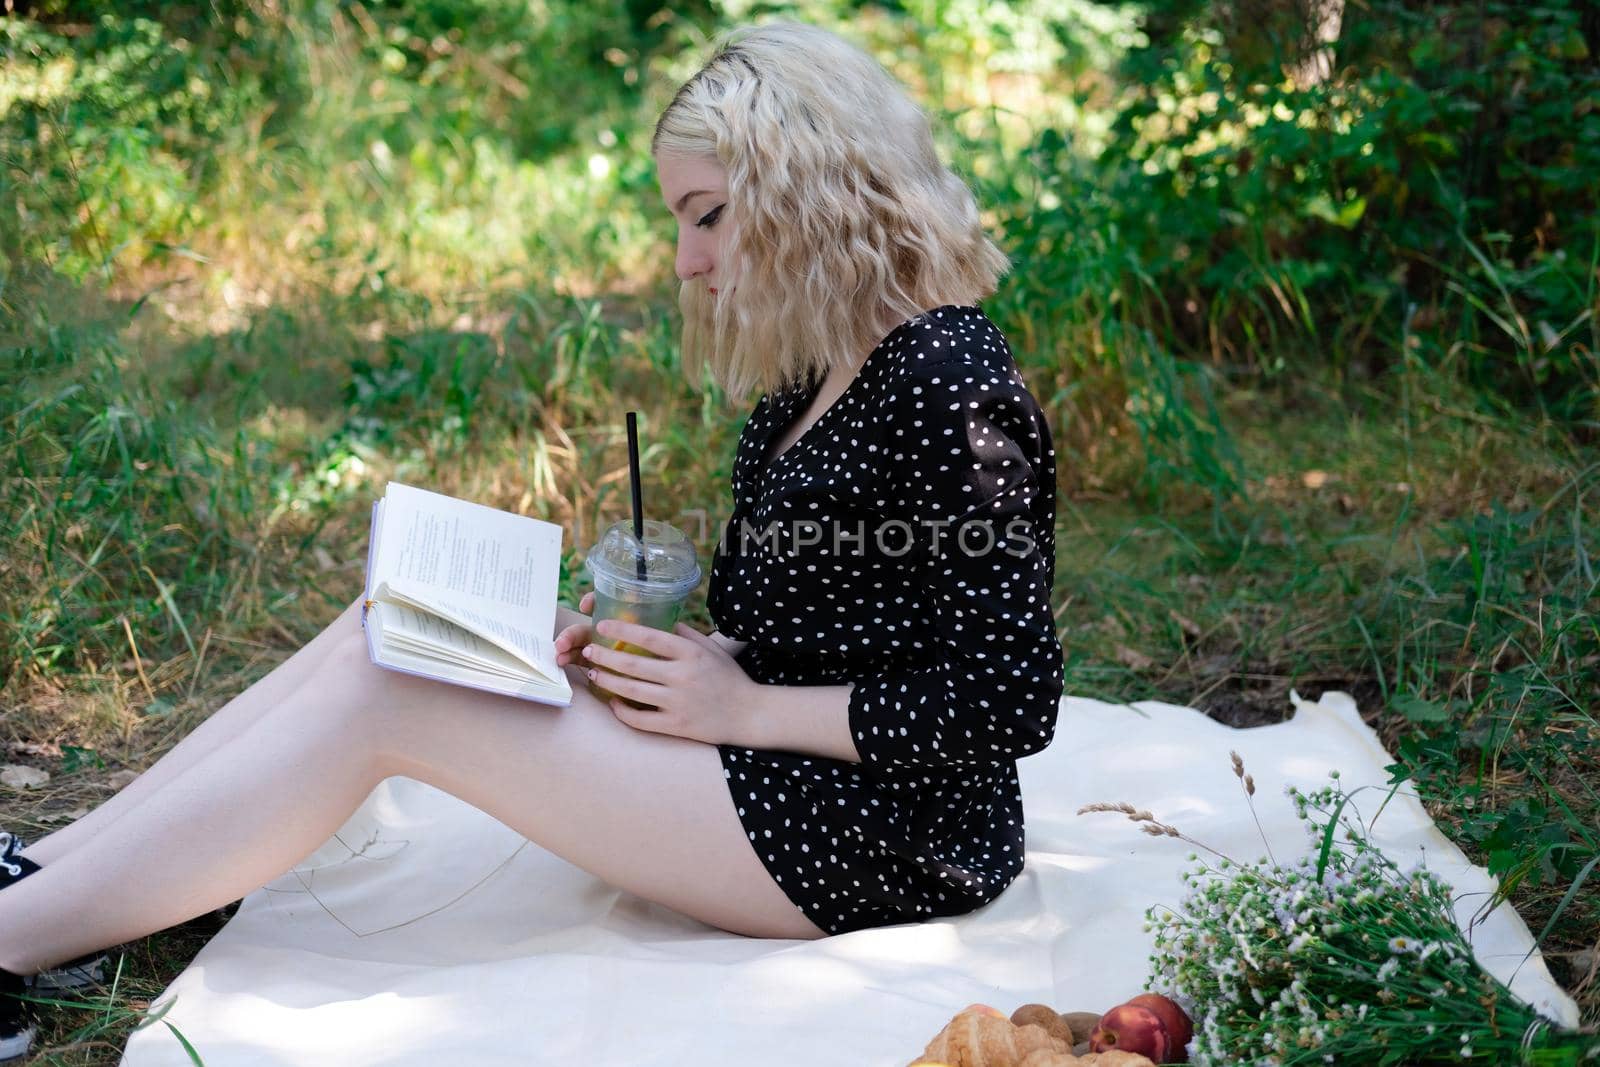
(1043, 1057)
(976, 1039)
(1048, 1058)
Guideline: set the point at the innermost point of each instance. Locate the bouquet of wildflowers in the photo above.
(1339, 958)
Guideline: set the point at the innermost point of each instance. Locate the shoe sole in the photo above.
(16, 1046)
(71, 978)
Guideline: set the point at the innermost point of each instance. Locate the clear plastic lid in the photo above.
(671, 570)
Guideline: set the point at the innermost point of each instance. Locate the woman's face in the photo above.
(696, 192)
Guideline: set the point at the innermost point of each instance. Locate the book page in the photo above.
(416, 642)
(430, 667)
(427, 634)
(447, 617)
(486, 569)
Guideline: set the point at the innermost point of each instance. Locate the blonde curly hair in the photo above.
(842, 215)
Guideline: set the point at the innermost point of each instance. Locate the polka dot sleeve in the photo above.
(974, 474)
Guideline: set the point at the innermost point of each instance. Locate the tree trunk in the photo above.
(1321, 20)
(1294, 37)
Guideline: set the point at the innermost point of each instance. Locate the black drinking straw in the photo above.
(638, 498)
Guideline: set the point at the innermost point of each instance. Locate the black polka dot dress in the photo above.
(904, 545)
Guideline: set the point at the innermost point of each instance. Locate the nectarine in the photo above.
(1179, 1028)
(1131, 1028)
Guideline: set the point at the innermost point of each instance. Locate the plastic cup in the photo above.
(671, 573)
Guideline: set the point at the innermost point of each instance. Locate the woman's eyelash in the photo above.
(710, 218)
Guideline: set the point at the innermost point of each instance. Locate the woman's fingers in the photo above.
(614, 661)
(636, 689)
(658, 642)
(570, 641)
(573, 633)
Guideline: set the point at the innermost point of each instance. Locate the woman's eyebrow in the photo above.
(683, 200)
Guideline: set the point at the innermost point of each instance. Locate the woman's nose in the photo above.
(692, 262)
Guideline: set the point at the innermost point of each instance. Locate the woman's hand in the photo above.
(571, 641)
(696, 688)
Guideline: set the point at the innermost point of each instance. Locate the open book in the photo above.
(465, 594)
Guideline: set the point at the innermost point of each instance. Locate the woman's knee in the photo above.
(346, 645)
(346, 688)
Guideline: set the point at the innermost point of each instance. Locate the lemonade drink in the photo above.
(656, 600)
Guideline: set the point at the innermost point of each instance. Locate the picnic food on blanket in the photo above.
(1047, 1018)
(1133, 1028)
(1035, 1035)
(1179, 1026)
(1082, 1023)
(980, 1036)
(1045, 1058)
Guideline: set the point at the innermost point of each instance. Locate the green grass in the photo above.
(91, 1028)
(198, 404)
(1438, 566)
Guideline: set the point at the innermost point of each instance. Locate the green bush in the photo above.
(1438, 187)
(107, 133)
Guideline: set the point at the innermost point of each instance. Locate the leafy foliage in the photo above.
(1445, 166)
(259, 256)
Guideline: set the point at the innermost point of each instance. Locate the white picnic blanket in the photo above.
(426, 932)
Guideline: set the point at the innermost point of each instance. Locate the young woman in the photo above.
(841, 752)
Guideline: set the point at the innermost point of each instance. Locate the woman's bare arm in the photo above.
(813, 719)
(729, 645)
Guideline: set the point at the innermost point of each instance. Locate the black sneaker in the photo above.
(14, 866)
(10, 846)
(89, 970)
(16, 1019)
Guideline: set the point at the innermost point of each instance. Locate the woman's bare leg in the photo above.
(646, 812)
(224, 724)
